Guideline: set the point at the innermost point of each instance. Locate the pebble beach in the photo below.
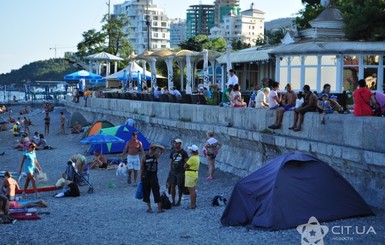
(112, 215)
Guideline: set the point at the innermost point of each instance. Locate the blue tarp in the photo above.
(288, 190)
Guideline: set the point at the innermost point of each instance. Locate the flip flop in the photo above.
(291, 128)
(149, 211)
(296, 129)
(161, 211)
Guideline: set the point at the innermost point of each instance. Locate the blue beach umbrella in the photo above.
(101, 139)
(83, 74)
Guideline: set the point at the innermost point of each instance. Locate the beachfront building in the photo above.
(321, 54)
(177, 32)
(223, 8)
(158, 29)
(246, 27)
(199, 20)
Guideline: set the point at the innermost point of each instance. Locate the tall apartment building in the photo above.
(199, 20)
(247, 27)
(223, 8)
(177, 32)
(159, 31)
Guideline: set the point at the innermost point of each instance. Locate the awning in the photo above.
(246, 55)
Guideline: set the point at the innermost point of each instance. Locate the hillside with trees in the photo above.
(44, 70)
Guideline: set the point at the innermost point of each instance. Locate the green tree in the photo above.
(364, 20)
(93, 42)
(118, 43)
(194, 43)
(312, 9)
(200, 42)
(238, 45)
(112, 39)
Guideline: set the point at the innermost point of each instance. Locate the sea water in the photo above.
(7, 96)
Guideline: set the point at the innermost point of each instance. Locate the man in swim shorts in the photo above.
(132, 148)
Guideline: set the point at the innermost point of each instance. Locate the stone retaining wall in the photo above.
(352, 145)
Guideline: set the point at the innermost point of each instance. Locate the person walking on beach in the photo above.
(212, 147)
(62, 123)
(191, 175)
(149, 176)
(47, 122)
(176, 176)
(29, 163)
(133, 147)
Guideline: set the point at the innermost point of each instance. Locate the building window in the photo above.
(350, 72)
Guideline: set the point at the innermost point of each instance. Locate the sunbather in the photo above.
(11, 185)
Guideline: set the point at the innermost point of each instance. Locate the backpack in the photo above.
(165, 201)
(219, 201)
(73, 190)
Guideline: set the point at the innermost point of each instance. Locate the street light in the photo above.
(148, 26)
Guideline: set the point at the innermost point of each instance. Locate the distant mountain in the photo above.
(44, 70)
(279, 23)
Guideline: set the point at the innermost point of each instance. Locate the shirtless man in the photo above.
(11, 186)
(288, 103)
(132, 148)
(99, 160)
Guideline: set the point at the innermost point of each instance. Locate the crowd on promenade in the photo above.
(366, 102)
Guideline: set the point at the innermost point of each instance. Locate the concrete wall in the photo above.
(354, 146)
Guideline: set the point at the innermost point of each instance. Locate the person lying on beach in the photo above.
(5, 205)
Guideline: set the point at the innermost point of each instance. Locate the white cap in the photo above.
(193, 148)
(178, 141)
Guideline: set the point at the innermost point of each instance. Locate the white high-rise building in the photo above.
(137, 12)
(247, 27)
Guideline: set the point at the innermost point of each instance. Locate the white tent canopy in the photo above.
(134, 67)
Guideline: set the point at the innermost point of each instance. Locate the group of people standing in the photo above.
(183, 174)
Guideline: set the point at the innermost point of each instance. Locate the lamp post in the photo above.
(148, 25)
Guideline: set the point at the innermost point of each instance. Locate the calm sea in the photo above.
(8, 96)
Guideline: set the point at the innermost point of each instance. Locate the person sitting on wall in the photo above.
(364, 101)
(309, 104)
(288, 103)
(236, 97)
(262, 100)
(333, 99)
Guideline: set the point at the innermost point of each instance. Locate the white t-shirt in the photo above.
(261, 97)
(272, 102)
(233, 80)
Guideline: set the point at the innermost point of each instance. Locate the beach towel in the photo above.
(24, 216)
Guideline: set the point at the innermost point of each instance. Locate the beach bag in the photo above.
(42, 177)
(165, 201)
(139, 191)
(73, 190)
(122, 169)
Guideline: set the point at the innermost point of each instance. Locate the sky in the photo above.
(44, 29)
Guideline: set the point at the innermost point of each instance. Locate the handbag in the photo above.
(42, 177)
(122, 169)
(139, 191)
